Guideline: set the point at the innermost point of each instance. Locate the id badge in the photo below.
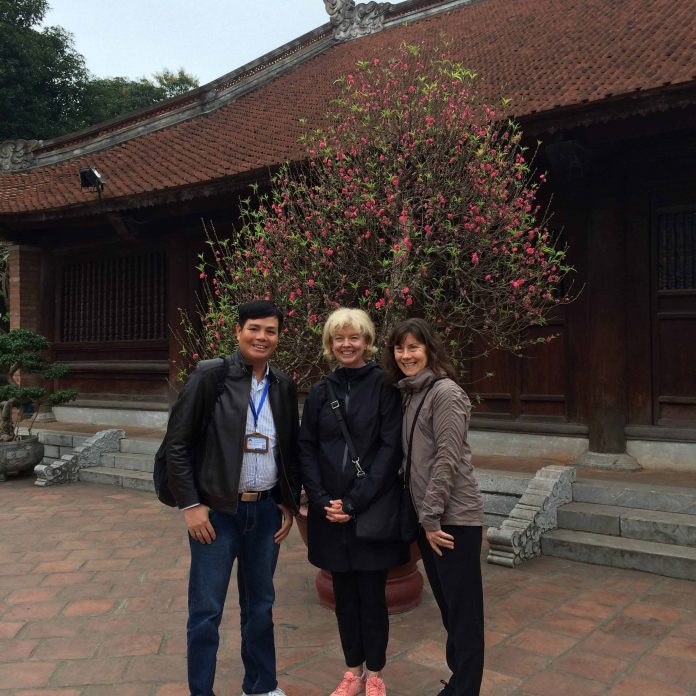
(256, 442)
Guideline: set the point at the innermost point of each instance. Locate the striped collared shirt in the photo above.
(260, 471)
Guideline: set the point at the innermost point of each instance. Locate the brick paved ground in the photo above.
(93, 603)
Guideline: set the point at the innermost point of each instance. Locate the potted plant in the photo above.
(22, 351)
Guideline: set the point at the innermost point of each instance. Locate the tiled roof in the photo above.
(543, 54)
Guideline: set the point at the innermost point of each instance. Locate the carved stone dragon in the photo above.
(350, 21)
(17, 154)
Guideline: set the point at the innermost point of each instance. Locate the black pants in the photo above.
(363, 620)
(456, 581)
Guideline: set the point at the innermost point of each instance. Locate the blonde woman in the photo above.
(339, 491)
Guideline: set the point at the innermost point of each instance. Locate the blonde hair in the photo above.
(358, 319)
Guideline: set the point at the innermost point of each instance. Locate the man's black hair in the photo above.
(259, 309)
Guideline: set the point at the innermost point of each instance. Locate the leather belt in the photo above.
(253, 496)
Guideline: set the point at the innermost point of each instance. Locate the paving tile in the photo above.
(119, 690)
(553, 683)
(131, 644)
(22, 675)
(568, 624)
(600, 667)
(622, 646)
(674, 646)
(654, 613)
(16, 650)
(31, 594)
(9, 629)
(637, 686)
(671, 670)
(47, 692)
(89, 607)
(42, 610)
(88, 672)
(495, 684)
(543, 642)
(514, 661)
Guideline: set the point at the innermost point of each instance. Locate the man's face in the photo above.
(258, 339)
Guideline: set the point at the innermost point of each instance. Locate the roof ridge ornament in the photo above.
(349, 21)
(17, 154)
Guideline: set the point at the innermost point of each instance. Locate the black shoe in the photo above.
(445, 691)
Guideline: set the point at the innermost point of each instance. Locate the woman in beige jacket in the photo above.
(445, 494)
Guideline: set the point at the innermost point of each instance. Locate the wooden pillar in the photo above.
(179, 269)
(605, 299)
(26, 275)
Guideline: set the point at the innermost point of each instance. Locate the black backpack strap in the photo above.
(338, 412)
(220, 377)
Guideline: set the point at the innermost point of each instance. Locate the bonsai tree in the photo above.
(21, 349)
(417, 197)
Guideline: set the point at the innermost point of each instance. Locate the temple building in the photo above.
(607, 88)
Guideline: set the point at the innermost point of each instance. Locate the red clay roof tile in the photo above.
(543, 54)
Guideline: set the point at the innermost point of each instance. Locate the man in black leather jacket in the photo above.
(237, 486)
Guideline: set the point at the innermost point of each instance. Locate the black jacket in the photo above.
(207, 469)
(373, 415)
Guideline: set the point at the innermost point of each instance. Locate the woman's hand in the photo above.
(438, 540)
(334, 512)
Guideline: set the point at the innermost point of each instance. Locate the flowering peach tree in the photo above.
(416, 198)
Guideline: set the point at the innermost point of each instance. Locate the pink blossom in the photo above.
(474, 259)
(310, 282)
(406, 290)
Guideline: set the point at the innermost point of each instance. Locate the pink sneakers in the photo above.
(374, 686)
(351, 685)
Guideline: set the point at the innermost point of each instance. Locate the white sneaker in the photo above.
(276, 692)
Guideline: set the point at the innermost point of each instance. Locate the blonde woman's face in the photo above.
(348, 346)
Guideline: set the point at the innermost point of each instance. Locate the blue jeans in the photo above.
(248, 537)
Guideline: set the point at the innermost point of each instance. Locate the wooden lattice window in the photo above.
(677, 251)
(120, 298)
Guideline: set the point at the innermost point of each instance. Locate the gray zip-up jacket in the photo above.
(443, 486)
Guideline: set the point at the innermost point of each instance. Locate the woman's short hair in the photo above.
(438, 360)
(345, 316)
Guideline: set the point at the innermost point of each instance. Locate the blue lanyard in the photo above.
(254, 412)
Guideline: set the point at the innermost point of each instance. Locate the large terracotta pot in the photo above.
(20, 456)
(404, 584)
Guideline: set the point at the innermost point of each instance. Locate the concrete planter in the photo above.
(20, 456)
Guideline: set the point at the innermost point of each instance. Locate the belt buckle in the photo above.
(249, 496)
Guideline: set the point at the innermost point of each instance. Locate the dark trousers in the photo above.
(455, 578)
(363, 620)
(248, 538)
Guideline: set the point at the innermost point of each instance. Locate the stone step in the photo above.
(134, 445)
(512, 483)
(131, 462)
(125, 478)
(635, 495)
(650, 525)
(619, 552)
